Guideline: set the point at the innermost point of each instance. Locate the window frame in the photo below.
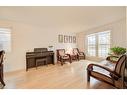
(97, 43)
(94, 45)
(9, 41)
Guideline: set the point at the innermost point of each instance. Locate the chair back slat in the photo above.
(120, 65)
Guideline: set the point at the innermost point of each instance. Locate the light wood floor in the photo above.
(68, 76)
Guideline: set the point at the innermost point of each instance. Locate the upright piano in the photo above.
(31, 57)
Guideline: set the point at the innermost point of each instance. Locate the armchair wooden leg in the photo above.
(61, 62)
(46, 63)
(88, 76)
(84, 57)
(70, 60)
(1, 80)
(36, 65)
(78, 58)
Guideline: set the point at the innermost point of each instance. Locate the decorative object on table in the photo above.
(50, 48)
(116, 52)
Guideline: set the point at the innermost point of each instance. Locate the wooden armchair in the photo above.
(1, 67)
(62, 57)
(80, 55)
(114, 78)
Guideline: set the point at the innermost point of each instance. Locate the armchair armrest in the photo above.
(67, 54)
(81, 53)
(90, 67)
(113, 74)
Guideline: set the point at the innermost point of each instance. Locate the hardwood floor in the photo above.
(68, 76)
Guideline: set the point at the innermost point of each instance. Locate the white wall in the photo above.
(118, 34)
(27, 37)
(126, 26)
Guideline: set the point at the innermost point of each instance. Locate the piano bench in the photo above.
(41, 60)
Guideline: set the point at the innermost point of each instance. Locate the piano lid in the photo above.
(40, 49)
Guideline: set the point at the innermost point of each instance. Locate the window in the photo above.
(103, 43)
(92, 45)
(5, 39)
(98, 44)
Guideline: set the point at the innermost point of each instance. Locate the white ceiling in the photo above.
(73, 19)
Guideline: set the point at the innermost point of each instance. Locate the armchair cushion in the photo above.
(61, 53)
(101, 76)
(99, 69)
(65, 57)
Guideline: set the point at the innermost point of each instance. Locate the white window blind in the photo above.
(5, 39)
(92, 45)
(98, 44)
(103, 43)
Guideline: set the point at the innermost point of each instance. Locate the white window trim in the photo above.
(97, 45)
(8, 31)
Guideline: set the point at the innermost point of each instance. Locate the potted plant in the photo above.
(118, 50)
(115, 53)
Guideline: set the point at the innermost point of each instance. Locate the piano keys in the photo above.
(38, 53)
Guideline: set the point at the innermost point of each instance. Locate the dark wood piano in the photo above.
(39, 53)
